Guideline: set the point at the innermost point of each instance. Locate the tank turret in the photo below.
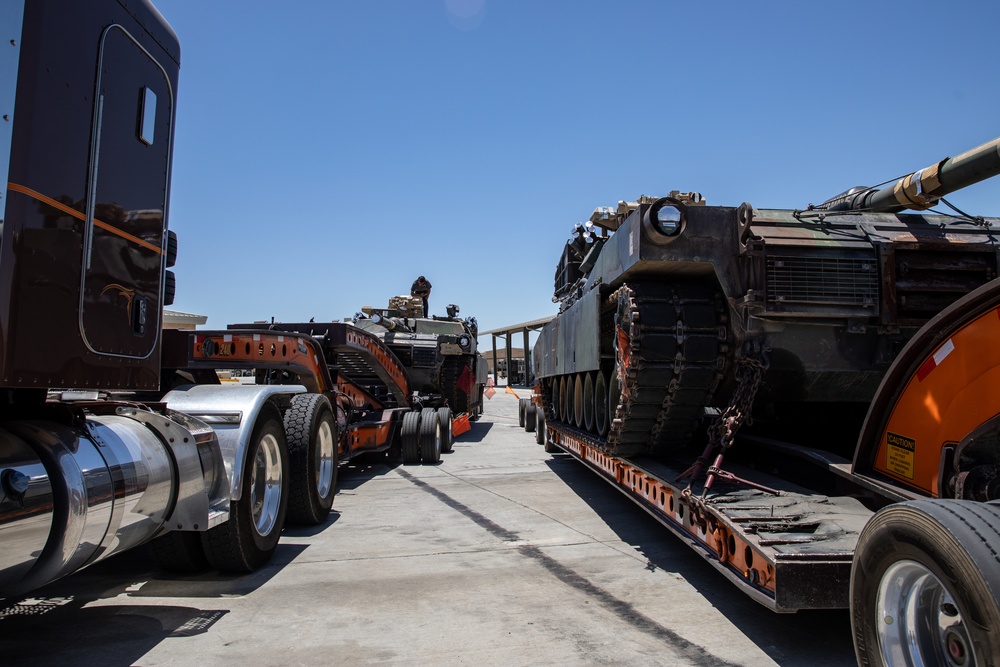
(439, 353)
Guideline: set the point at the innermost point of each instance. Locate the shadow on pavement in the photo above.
(788, 639)
(74, 622)
(477, 433)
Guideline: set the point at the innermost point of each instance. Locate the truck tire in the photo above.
(530, 416)
(430, 436)
(312, 458)
(447, 437)
(925, 584)
(409, 436)
(179, 551)
(540, 427)
(248, 539)
(522, 404)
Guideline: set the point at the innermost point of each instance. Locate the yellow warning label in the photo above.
(899, 454)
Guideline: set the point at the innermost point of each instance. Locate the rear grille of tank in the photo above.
(403, 353)
(821, 285)
(929, 281)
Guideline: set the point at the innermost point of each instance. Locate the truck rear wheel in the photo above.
(248, 539)
(409, 435)
(522, 405)
(924, 585)
(430, 436)
(312, 458)
(447, 437)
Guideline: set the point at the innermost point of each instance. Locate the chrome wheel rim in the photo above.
(265, 486)
(325, 460)
(918, 621)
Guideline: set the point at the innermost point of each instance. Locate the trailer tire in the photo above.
(409, 437)
(430, 436)
(179, 551)
(312, 458)
(248, 539)
(928, 564)
(530, 416)
(540, 427)
(447, 436)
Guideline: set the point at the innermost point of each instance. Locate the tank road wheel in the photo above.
(568, 399)
(600, 404)
(578, 400)
(248, 540)
(925, 585)
(540, 426)
(530, 416)
(447, 437)
(522, 404)
(588, 402)
(409, 437)
(556, 402)
(430, 436)
(312, 458)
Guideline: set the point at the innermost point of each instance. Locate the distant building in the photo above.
(173, 319)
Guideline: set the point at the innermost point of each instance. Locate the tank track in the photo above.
(451, 371)
(671, 347)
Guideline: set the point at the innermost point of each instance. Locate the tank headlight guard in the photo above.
(667, 216)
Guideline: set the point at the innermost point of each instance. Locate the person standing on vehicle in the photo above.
(422, 288)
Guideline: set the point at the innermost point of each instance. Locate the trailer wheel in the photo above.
(312, 458)
(410, 437)
(530, 416)
(248, 540)
(924, 585)
(522, 405)
(179, 551)
(447, 437)
(430, 436)
(540, 427)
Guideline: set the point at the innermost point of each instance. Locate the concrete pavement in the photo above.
(502, 554)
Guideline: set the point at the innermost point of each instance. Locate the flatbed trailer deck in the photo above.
(789, 551)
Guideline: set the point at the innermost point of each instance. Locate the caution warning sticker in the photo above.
(899, 454)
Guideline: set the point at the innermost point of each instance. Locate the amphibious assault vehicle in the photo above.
(673, 311)
(438, 353)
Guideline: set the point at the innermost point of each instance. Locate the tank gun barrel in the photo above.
(922, 189)
(389, 323)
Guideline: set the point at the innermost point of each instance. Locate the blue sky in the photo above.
(328, 152)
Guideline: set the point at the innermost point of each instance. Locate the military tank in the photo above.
(439, 354)
(674, 313)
